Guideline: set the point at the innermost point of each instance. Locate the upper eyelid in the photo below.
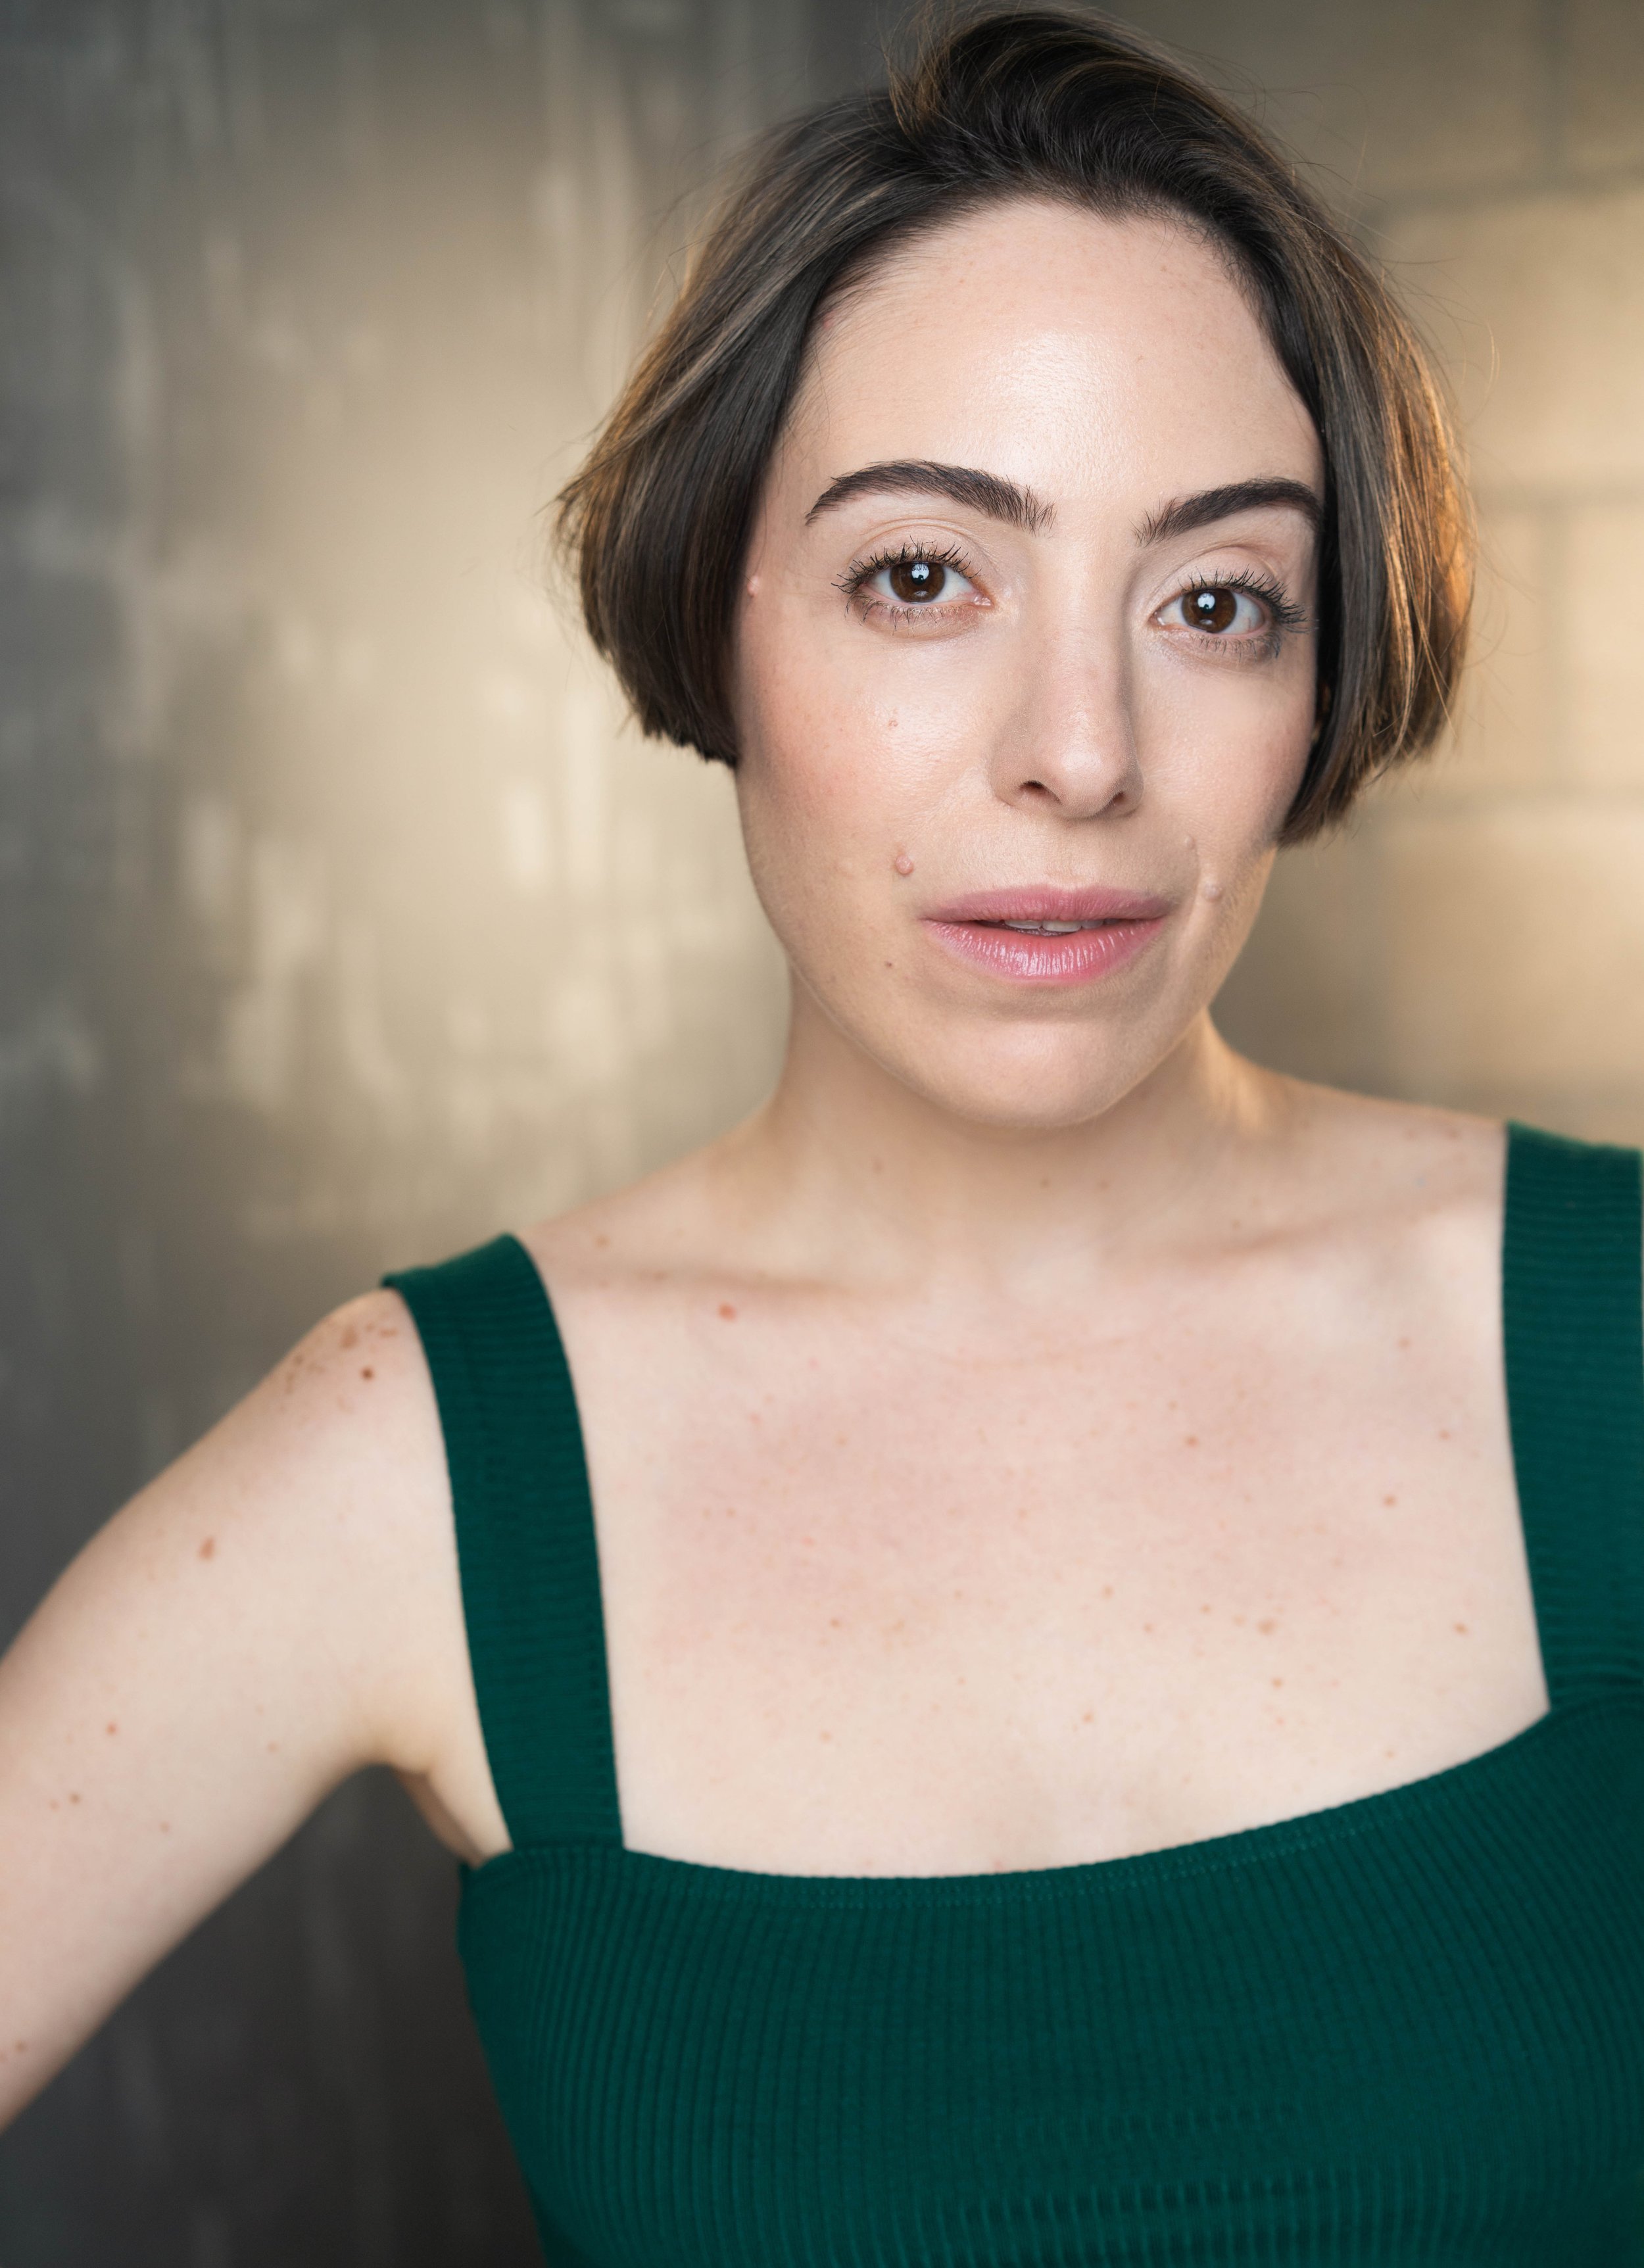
(1225, 563)
(949, 552)
(1260, 576)
(916, 534)
(1239, 578)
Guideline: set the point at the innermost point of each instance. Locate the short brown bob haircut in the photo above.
(1012, 102)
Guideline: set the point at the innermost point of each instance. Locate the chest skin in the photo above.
(947, 1585)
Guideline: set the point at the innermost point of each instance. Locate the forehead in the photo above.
(1083, 357)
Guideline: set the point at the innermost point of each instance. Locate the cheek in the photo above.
(1224, 746)
(827, 772)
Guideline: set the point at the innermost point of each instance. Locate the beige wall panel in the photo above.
(1616, 1115)
(1502, 742)
(1514, 939)
(1538, 303)
(1604, 643)
(1605, 67)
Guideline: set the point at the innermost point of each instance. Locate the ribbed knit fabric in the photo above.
(1408, 2029)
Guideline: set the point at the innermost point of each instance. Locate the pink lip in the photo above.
(973, 927)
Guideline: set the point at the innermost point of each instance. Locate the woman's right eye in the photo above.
(916, 581)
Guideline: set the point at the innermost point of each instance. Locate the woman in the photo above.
(1091, 1710)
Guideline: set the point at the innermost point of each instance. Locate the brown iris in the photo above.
(918, 581)
(1214, 608)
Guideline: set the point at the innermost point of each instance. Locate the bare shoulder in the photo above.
(354, 1399)
(348, 1424)
(1360, 1160)
(275, 1611)
(343, 1441)
(1370, 1209)
(296, 1529)
(329, 1468)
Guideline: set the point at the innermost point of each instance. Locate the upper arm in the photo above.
(278, 1610)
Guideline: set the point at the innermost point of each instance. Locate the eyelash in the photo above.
(1285, 617)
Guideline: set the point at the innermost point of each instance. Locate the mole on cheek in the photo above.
(1212, 891)
(208, 1550)
(903, 863)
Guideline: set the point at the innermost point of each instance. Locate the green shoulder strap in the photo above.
(1572, 1323)
(526, 1540)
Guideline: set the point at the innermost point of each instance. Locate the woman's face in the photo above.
(1025, 656)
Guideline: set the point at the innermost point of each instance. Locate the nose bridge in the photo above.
(1072, 742)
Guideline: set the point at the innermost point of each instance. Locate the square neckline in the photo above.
(1232, 1849)
(1523, 1148)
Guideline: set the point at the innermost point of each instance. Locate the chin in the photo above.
(1043, 1082)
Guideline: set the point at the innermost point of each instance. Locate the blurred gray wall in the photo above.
(341, 922)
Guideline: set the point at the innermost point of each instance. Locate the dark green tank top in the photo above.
(1406, 2029)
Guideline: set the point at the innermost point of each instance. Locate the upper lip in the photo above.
(1044, 901)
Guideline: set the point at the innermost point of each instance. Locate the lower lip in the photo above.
(1029, 957)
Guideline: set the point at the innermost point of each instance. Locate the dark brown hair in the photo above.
(1010, 103)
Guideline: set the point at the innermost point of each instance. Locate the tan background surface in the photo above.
(341, 921)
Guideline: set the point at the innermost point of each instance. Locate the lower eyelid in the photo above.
(1249, 645)
(936, 611)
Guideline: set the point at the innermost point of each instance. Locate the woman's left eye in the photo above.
(1221, 609)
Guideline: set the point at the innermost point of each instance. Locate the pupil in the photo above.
(1214, 610)
(918, 580)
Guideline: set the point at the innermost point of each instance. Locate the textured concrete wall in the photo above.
(1479, 937)
(338, 923)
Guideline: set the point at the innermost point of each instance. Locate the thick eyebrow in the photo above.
(1186, 513)
(983, 492)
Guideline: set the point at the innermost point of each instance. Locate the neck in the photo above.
(849, 1174)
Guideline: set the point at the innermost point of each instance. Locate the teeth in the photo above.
(1049, 929)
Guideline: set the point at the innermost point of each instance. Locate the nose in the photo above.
(1069, 744)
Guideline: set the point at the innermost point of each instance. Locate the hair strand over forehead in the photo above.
(998, 102)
